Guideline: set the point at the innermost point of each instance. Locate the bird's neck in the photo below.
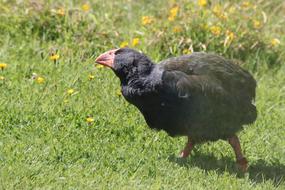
(144, 81)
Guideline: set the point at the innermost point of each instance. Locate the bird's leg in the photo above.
(241, 160)
(187, 149)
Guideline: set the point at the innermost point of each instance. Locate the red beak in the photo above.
(107, 58)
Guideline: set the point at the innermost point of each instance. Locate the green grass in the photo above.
(45, 141)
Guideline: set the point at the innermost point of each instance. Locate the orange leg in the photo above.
(187, 149)
(241, 160)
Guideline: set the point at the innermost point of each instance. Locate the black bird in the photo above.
(202, 96)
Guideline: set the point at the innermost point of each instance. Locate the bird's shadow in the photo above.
(258, 171)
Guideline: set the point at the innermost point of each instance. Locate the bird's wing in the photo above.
(210, 81)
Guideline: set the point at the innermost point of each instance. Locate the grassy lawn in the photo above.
(64, 124)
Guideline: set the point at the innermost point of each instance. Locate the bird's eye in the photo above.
(118, 52)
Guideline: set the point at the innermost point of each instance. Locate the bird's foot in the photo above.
(242, 164)
(241, 160)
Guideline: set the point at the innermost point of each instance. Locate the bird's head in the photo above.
(126, 63)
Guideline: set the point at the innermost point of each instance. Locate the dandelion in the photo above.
(89, 120)
(202, 3)
(40, 80)
(119, 92)
(60, 11)
(229, 38)
(216, 30)
(124, 44)
(256, 24)
(187, 51)
(173, 13)
(91, 77)
(222, 16)
(70, 91)
(245, 4)
(177, 29)
(3, 66)
(98, 66)
(2, 78)
(230, 35)
(146, 20)
(275, 42)
(232, 9)
(54, 57)
(217, 10)
(85, 7)
(135, 41)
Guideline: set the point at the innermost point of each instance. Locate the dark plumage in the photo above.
(203, 96)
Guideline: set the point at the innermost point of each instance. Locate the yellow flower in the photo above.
(119, 92)
(229, 38)
(223, 16)
(85, 7)
(124, 44)
(2, 78)
(3, 66)
(220, 14)
(98, 66)
(89, 120)
(230, 35)
(202, 3)
(146, 20)
(246, 4)
(70, 91)
(187, 51)
(135, 41)
(216, 30)
(173, 13)
(90, 77)
(256, 24)
(177, 29)
(217, 10)
(54, 57)
(275, 42)
(60, 11)
(40, 80)
(171, 18)
(232, 9)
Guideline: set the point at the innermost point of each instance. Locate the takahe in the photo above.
(202, 96)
